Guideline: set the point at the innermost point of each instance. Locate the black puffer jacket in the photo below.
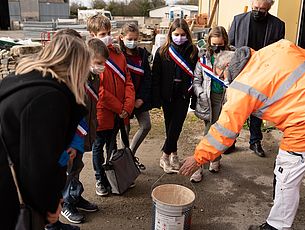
(164, 72)
(39, 117)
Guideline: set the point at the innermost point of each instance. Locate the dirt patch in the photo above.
(239, 195)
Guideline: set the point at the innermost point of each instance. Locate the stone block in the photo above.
(21, 50)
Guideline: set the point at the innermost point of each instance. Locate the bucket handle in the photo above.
(160, 177)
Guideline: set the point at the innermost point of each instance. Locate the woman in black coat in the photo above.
(40, 107)
(172, 76)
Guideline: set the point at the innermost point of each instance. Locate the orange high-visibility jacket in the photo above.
(272, 87)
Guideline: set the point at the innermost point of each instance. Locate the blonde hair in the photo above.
(66, 58)
(98, 22)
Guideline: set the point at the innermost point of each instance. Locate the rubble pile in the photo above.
(9, 58)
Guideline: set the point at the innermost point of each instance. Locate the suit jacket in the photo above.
(239, 31)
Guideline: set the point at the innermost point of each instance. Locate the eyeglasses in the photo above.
(263, 10)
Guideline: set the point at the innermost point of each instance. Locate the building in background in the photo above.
(32, 10)
(292, 12)
(164, 12)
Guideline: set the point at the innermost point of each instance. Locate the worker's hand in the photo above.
(124, 114)
(53, 217)
(189, 166)
(138, 103)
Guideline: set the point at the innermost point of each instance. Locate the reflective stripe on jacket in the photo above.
(272, 87)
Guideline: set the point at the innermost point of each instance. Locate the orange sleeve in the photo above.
(110, 102)
(223, 133)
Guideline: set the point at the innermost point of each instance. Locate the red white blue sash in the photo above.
(110, 64)
(179, 60)
(82, 128)
(91, 92)
(138, 70)
(209, 72)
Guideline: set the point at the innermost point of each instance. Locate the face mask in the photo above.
(179, 40)
(97, 69)
(217, 49)
(130, 44)
(258, 15)
(107, 40)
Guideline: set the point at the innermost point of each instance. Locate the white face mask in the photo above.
(107, 40)
(130, 44)
(97, 69)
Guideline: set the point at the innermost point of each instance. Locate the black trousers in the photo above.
(256, 134)
(174, 115)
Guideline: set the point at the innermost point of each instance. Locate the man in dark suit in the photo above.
(256, 29)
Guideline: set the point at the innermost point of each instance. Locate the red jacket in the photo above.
(115, 95)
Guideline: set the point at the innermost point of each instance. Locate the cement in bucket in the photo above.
(172, 207)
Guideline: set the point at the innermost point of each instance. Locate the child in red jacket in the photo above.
(116, 97)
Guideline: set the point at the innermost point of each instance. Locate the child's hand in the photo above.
(124, 114)
(138, 103)
(72, 153)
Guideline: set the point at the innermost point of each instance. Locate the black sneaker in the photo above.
(61, 226)
(264, 226)
(71, 213)
(85, 205)
(140, 165)
(100, 189)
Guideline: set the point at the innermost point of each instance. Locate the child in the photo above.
(209, 92)
(116, 97)
(173, 68)
(138, 65)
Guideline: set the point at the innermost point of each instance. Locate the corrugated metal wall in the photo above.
(47, 11)
(41, 10)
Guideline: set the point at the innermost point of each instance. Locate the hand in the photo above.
(72, 153)
(53, 217)
(124, 114)
(138, 103)
(189, 166)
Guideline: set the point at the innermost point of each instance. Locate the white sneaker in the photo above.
(197, 176)
(214, 166)
(174, 162)
(164, 163)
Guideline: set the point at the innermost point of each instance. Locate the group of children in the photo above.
(121, 84)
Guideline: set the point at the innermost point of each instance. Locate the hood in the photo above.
(238, 62)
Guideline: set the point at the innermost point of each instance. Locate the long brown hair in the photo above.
(218, 32)
(177, 23)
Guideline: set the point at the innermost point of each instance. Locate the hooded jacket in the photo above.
(115, 95)
(271, 86)
(38, 117)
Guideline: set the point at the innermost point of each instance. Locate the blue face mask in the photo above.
(130, 44)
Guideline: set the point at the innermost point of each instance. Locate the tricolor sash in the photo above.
(110, 64)
(182, 63)
(135, 68)
(209, 72)
(82, 128)
(91, 92)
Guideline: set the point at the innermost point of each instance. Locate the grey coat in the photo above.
(202, 89)
(239, 31)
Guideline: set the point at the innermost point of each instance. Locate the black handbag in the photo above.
(120, 167)
(73, 191)
(28, 218)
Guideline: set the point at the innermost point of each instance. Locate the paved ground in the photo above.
(239, 195)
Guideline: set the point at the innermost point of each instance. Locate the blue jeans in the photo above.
(255, 129)
(102, 138)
